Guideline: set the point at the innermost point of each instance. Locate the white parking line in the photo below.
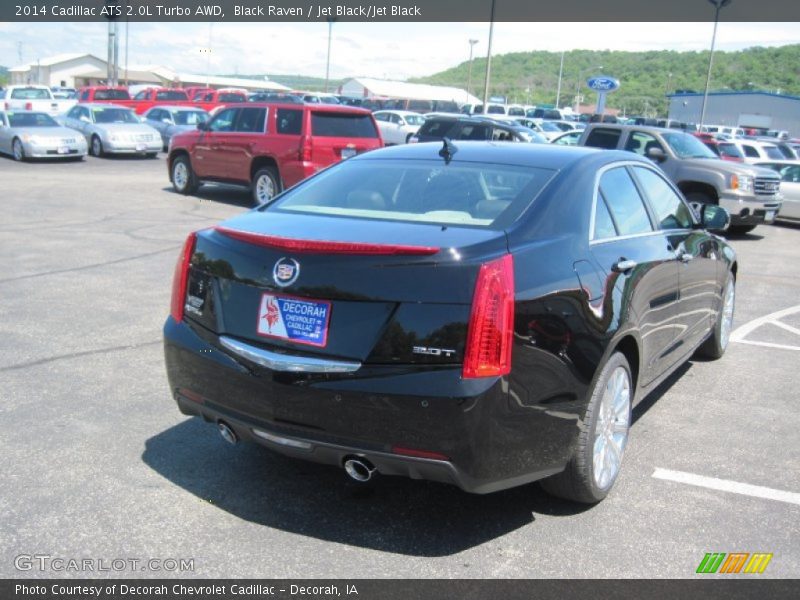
(726, 485)
(742, 332)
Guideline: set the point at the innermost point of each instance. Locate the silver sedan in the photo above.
(171, 120)
(789, 170)
(28, 134)
(111, 129)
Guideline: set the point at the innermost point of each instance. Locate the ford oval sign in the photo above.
(602, 84)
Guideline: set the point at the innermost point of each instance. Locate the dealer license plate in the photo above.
(294, 319)
(63, 150)
(348, 152)
(141, 147)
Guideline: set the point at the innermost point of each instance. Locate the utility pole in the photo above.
(560, 74)
(328, 61)
(469, 67)
(718, 5)
(488, 64)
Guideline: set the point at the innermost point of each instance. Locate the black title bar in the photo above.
(398, 10)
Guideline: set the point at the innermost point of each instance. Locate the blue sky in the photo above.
(386, 50)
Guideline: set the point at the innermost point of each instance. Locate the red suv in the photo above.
(269, 147)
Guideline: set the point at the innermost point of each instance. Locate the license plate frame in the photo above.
(292, 319)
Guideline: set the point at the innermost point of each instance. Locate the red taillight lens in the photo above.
(491, 322)
(181, 277)
(418, 453)
(29, 106)
(305, 149)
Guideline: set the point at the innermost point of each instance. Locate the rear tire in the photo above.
(596, 463)
(266, 186)
(96, 147)
(18, 150)
(184, 181)
(741, 229)
(714, 347)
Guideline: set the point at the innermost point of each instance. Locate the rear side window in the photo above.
(290, 121)
(729, 150)
(603, 223)
(624, 202)
(750, 151)
(330, 124)
(603, 138)
(671, 212)
(171, 95)
(773, 152)
(473, 131)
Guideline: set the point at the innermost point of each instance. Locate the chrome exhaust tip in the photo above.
(359, 469)
(228, 434)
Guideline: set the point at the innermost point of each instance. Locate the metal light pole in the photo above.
(581, 74)
(469, 68)
(560, 75)
(328, 62)
(488, 63)
(718, 5)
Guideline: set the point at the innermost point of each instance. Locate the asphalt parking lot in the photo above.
(98, 463)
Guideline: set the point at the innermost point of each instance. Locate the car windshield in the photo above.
(687, 146)
(30, 94)
(414, 119)
(421, 191)
(114, 115)
(31, 119)
(231, 97)
(189, 117)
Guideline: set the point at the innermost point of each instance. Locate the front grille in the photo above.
(766, 187)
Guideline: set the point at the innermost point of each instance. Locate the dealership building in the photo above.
(756, 109)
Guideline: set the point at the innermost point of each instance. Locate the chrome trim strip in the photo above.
(287, 362)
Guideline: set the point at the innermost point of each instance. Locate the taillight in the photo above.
(491, 321)
(305, 149)
(181, 277)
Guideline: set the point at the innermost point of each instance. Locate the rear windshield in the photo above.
(436, 127)
(422, 191)
(30, 119)
(730, 150)
(329, 124)
(171, 95)
(231, 97)
(30, 94)
(111, 95)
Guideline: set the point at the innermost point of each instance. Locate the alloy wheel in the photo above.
(611, 429)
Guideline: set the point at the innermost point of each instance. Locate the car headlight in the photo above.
(742, 183)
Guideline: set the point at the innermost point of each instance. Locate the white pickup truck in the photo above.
(37, 98)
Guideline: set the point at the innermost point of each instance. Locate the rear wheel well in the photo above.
(261, 162)
(630, 349)
(695, 187)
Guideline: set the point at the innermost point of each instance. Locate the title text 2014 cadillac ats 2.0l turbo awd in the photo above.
(477, 313)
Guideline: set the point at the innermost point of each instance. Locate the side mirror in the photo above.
(712, 217)
(656, 154)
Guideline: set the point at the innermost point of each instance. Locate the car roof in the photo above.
(539, 155)
(342, 108)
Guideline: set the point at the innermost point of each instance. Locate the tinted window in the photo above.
(419, 105)
(74, 112)
(231, 97)
(111, 95)
(114, 115)
(473, 131)
(750, 151)
(728, 149)
(251, 120)
(687, 146)
(224, 120)
(171, 95)
(790, 174)
(671, 212)
(603, 138)
(141, 95)
(381, 116)
(189, 117)
(290, 121)
(329, 124)
(424, 191)
(85, 95)
(436, 127)
(773, 152)
(603, 225)
(624, 202)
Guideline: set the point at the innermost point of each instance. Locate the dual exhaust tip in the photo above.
(357, 468)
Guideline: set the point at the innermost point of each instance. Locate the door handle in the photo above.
(623, 265)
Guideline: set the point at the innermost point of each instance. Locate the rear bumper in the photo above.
(489, 442)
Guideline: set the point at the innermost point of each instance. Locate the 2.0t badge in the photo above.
(286, 271)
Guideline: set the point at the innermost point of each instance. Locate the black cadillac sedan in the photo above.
(477, 313)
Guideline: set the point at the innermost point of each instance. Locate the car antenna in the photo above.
(448, 150)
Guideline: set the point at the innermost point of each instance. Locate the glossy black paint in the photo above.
(572, 310)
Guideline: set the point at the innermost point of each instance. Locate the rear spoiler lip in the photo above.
(305, 246)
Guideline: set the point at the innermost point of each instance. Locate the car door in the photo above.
(207, 157)
(236, 147)
(639, 265)
(696, 253)
(5, 138)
